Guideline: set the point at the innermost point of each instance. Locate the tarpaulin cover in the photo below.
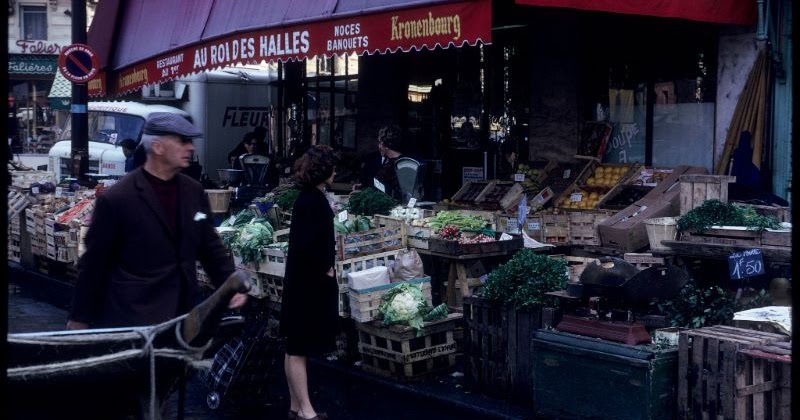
(737, 12)
(145, 42)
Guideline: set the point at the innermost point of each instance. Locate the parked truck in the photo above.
(224, 104)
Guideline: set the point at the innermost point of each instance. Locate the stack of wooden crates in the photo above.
(725, 372)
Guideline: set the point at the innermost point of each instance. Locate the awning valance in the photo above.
(154, 45)
(736, 12)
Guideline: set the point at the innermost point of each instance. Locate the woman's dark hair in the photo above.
(391, 137)
(315, 166)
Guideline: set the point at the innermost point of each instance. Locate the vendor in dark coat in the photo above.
(146, 233)
(309, 317)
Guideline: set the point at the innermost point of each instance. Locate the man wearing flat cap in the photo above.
(146, 233)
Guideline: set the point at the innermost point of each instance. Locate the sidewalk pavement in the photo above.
(342, 390)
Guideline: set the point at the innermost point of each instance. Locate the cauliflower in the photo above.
(405, 304)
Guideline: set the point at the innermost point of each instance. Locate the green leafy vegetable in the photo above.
(370, 201)
(717, 213)
(239, 219)
(285, 199)
(252, 237)
(697, 306)
(457, 219)
(525, 278)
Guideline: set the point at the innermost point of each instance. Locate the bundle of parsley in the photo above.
(717, 213)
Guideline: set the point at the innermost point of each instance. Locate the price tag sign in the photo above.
(744, 264)
(534, 226)
(512, 225)
(59, 191)
(343, 216)
(412, 202)
(519, 177)
(379, 185)
(575, 197)
(567, 173)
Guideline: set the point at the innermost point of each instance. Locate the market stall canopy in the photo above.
(142, 42)
(736, 12)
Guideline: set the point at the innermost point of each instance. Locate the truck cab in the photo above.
(109, 124)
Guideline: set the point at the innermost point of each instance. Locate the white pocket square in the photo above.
(199, 216)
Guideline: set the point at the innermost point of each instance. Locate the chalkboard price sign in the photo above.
(744, 264)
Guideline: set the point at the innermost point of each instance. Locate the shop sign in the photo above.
(471, 173)
(19, 64)
(416, 28)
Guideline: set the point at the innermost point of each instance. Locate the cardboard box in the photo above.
(626, 231)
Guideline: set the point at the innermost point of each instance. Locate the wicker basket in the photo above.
(661, 229)
(219, 200)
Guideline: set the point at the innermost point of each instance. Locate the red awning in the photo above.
(154, 41)
(736, 12)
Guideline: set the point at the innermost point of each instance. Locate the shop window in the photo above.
(657, 90)
(332, 91)
(34, 22)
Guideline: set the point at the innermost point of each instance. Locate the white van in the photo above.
(109, 124)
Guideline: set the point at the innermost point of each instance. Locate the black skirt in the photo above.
(310, 315)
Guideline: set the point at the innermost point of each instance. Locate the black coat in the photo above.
(135, 271)
(310, 305)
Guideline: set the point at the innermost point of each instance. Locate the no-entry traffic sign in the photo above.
(78, 63)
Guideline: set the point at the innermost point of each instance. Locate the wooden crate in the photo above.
(707, 369)
(384, 259)
(624, 172)
(364, 303)
(470, 191)
(417, 236)
(497, 350)
(397, 352)
(724, 235)
(555, 229)
(491, 198)
(509, 224)
(643, 260)
(258, 283)
(388, 234)
(583, 227)
(764, 382)
(273, 261)
(696, 189)
(453, 247)
(274, 288)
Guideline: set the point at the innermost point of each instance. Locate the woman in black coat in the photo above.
(309, 307)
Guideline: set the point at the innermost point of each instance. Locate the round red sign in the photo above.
(78, 63)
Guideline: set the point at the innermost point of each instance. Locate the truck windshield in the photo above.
(109, 127)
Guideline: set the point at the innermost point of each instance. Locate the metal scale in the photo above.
(612, 299)
(254, 179)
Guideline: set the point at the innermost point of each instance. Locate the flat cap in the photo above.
(163, 123)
